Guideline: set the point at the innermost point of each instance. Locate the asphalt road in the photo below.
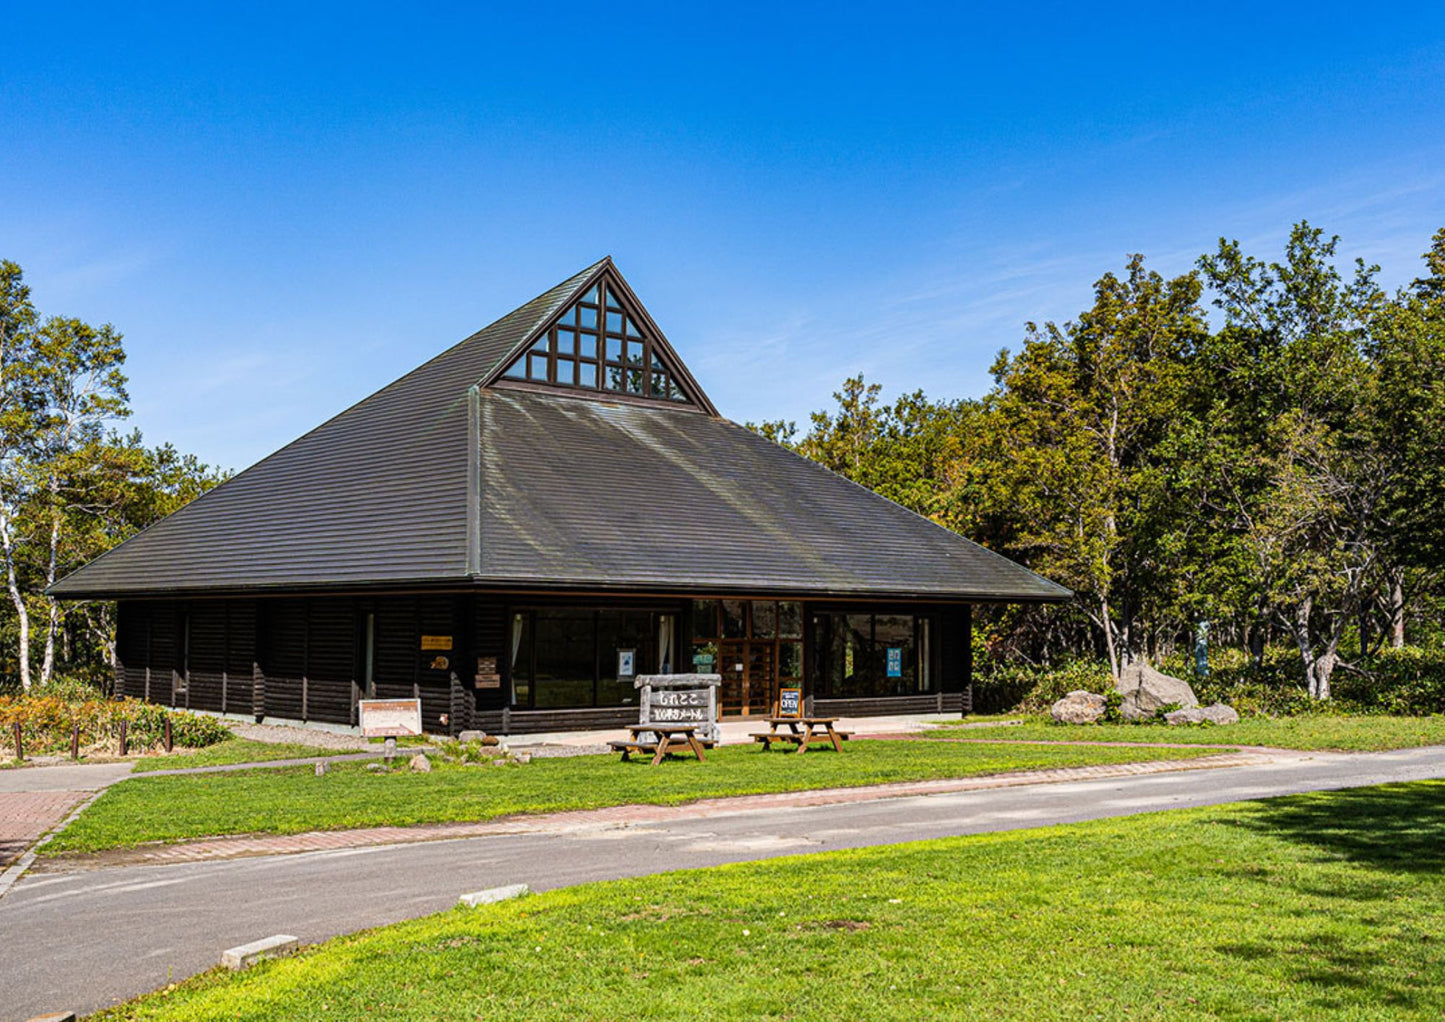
(82, 941)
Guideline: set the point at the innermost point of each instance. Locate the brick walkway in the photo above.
(25, 815)
(317, 841)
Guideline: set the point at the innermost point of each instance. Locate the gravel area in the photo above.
(281, 734)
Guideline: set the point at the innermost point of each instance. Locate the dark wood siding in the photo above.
(240, 655)
(131, 628)
(284, 658)
(489, 639)
(206, 656)
(163, 653)
(437, 615)
(331, 661)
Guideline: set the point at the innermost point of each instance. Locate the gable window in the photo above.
(599, 343)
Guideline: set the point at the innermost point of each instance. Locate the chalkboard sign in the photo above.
(790, 702)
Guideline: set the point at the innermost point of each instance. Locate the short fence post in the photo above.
(75, 741)
(169, 743)
(19, 743)
(124, 742)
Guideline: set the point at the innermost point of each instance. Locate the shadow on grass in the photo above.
(1399, 828)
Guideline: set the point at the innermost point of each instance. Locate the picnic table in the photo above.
(802, 730)
(669, 738)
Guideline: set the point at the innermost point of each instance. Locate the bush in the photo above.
(46, 722)
(1003, 688)
(1403, 682)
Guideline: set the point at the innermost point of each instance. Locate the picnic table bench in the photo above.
(801, 731)
(670, 737)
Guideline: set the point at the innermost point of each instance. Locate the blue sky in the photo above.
(285, 209)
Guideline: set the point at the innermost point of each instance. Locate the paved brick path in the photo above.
(316, 841)
(25, 815)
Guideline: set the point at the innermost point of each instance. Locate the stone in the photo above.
(471, 736)
(1078, 707)
(247, 955)
(1145, 690)
(420, 764)
(1216, 714)
(321, 768)
(1219, 713)
(494, 894)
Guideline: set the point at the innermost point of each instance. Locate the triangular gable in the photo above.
(602, 341)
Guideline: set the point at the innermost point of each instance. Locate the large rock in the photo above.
(1216, 714)
(1145, 690)
(1078, 707)
(1220, 714)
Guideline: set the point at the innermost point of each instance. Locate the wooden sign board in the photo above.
(680, 706)
(390, 718)
(487, 675)
(433, 642)
(681, 699)
(790, 702)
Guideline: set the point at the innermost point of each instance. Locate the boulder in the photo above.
(1220, 714)
(1145, 690)
(1216, 714)
(420, 764)
(1078, 707)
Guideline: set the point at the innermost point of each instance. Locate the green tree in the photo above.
(1289, 474)
(1078, 413)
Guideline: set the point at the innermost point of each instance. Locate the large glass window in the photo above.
(864, 655)
(565, 658)
(569, 656)
(600, 344)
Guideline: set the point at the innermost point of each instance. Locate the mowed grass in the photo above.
(1325, 906)
(293, 799)
(234, 750)
(1315, 732)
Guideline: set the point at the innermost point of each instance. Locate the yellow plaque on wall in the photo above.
(436, 642)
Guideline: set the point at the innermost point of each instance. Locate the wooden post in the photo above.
(124, 737)
(75, 741)
(19, 743)
(169, 743)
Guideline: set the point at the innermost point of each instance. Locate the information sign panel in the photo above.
(390, 718)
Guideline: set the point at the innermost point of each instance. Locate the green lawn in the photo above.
(1320, 732)
(234, 750)
(1325, 906)
(294, 799)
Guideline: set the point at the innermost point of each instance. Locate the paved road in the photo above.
(84, 940)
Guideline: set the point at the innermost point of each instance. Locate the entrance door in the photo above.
(750, 678)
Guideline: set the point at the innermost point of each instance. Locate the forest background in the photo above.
(1240, 472)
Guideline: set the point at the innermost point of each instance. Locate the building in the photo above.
(511, 530)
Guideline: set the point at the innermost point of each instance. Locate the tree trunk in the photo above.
(1107, 624)
(22, 613)
(52, 605)
(1397, 609)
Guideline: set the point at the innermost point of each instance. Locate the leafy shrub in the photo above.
(46, 722)
(1002, 688)
(1404, 682)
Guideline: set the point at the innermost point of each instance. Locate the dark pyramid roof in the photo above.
(583, 492)
(433, 480)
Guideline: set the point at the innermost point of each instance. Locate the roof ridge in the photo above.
(472, 340)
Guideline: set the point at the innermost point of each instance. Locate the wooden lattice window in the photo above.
(600, 343)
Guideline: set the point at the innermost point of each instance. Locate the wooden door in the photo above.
(760, 687)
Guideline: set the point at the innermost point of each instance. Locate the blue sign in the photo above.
(895, 662)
